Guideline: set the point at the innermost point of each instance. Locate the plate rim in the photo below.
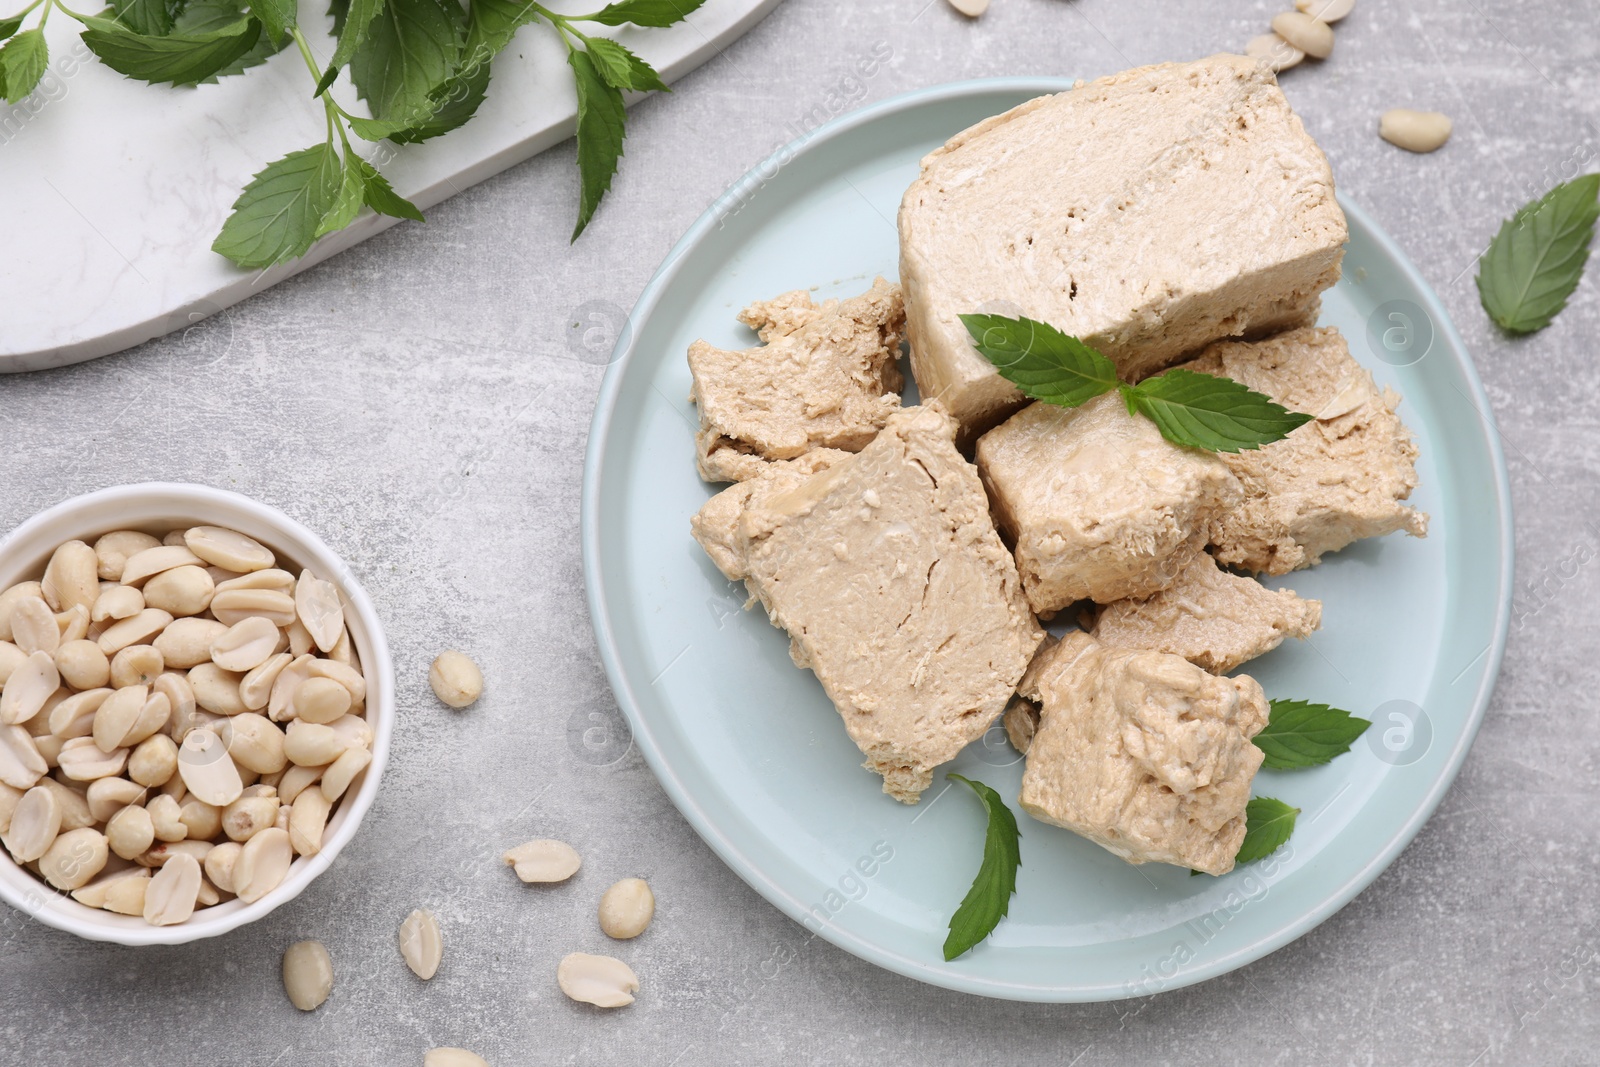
(595, 588)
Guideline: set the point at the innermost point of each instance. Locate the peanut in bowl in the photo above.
(248, 699)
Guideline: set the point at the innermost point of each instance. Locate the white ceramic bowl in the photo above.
(157, 507)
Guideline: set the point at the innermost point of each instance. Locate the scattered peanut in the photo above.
(604, 981)
(1311, 36)
(627, 908)
(307, 974)
(970, 8)
(1326, 10)
(453, 1057)
(456, 680)
(421, 945)
(1274, 51)
(544, 861)
(1415, 131)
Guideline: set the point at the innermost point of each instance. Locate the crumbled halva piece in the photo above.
(1021, 718)
(1097, 503)
(1146, 213)
(1143, 753)
(1210, 617)
(716, 524)
(1330, 482)
(887, 573)
(824, 376)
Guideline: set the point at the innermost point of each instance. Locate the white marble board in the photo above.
(111, 190)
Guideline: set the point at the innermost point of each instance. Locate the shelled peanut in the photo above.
(179, 718)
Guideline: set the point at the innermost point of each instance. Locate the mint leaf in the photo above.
(987, 902)
(1209, 412)
(182, 59)
(493, 23)
(276, 217)
(643, 12)
(453, 104)
(150, 17)
(382, 198)
(1301, 734)
(202, 16)
(601, 119)
(1536, 260)
(411, 47)
(621, 68)
(1039, 359)
(1268, 824)
(277, 16)
(354, 19)
(347, 203)
(22, 63)
(10, 26)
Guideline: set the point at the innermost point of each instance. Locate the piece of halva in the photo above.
(1098, 505)
(1146, 213)
(1330, 482)
(1143, 753)
(1210, 617)
(824, 376)
(716, 524)
(887, 573)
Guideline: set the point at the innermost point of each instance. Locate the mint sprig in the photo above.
(1039, 359)
(1202, 411)
(1268, 824)
(1210, 412)
(1537, 258)
(658, 13)
(423, 66)
(987, 902)
(1301, 734)
(22, 64)
(177, 58)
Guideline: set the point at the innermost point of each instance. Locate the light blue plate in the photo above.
(754, 755)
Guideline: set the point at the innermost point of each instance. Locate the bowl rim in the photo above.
(22, 890)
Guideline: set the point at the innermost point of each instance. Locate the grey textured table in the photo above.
(417, 402)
